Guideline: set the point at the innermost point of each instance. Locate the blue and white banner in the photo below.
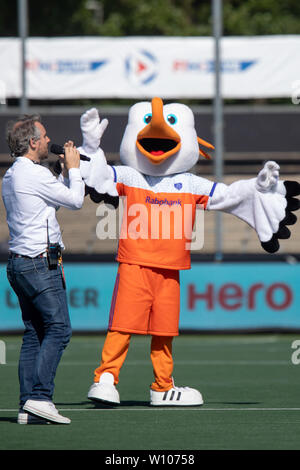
(143, 67)
(216, 297)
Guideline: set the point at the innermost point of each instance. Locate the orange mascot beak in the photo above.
(158, 141)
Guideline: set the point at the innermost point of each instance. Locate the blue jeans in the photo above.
(43, 302)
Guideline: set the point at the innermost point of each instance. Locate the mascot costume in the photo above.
(159, 147)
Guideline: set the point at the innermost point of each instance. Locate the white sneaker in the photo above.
(176, 396)
(26, 418)
(104, 390)
(46, 410)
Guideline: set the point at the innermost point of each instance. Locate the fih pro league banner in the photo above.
(138, 67)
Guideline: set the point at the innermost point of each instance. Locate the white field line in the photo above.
(194, 362)
(170, 408)
(205, 342)
(189, 363)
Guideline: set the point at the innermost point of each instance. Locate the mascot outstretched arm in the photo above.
(159, 147)
(265, 203)
(96, 174)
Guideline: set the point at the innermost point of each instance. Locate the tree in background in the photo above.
(151, 17)
(261, 17)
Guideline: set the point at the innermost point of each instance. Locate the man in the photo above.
(31, 195)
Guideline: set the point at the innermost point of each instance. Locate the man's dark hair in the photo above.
(19, 133)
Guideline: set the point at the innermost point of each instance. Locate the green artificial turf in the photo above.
(249, 384)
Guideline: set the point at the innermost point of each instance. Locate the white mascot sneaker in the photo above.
(46, 410)
(104, 390)
(176, 396)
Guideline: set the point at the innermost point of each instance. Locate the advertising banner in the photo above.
(227, 296)
(143, 67)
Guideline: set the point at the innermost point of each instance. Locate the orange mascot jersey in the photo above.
(157, 224)
(159, 216)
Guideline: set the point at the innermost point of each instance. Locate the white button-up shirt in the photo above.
(31, 196)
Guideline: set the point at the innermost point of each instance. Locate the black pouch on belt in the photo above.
(53, 254)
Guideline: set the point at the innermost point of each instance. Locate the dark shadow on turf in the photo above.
(102, 405)
(123, 403)
(95, 404)
(8, 420)
(80, 403)
(135, 403)
(83, 404)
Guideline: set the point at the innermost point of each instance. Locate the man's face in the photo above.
(42, 143)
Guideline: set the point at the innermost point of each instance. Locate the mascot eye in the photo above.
(172, 119)
(147, 118)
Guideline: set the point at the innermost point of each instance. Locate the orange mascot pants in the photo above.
(145, 301)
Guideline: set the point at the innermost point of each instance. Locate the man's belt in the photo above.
(16, 255)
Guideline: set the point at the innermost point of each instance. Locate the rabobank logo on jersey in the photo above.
(141, 67)
(66, 66)
(165, 201)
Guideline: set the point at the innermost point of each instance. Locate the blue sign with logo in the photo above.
(227, 296)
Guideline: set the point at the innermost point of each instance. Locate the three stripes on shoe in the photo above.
(165, 397)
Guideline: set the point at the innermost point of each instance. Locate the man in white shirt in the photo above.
(31, 195)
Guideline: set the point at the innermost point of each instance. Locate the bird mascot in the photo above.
(159, 147)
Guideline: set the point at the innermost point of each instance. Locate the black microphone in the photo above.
(58, 150)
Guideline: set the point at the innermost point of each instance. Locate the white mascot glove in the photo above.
(96, 174)
(268, 177)
(266, 203)
(279, 205)
(92, 130)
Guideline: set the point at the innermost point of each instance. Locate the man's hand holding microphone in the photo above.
(70, 158)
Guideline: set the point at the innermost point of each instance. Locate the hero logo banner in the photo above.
(141, 67)
(66, 66)
(213, 296)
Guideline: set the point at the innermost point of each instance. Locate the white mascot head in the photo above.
(160, 139)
